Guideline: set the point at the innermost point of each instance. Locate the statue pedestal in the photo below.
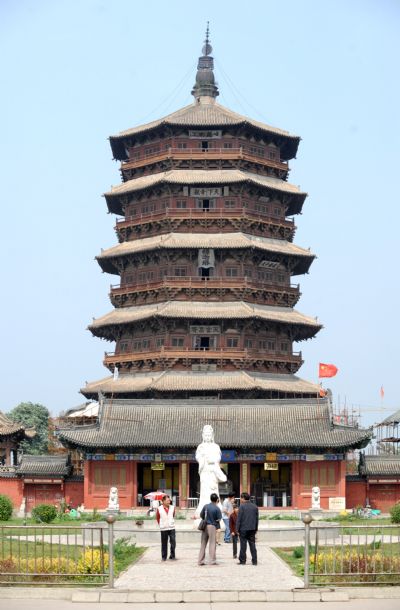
(316, 513)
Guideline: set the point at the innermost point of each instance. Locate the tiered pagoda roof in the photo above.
(205, 258)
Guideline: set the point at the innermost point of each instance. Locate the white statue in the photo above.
(208, 455)
(113, 503)
(316, 498)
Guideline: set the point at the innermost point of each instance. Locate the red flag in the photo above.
(382, 392)
(327, 370)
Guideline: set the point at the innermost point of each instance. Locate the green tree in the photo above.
(33, 416)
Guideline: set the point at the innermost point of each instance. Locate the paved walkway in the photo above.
(150, 573)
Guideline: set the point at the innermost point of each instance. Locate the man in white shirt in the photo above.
(165, 518)
(227, 510)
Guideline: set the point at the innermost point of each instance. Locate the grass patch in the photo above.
(359, 563)
(53, 562)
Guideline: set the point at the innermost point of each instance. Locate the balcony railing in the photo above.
(167, 352)
(199, 214)
(202, 282)
(182, 154)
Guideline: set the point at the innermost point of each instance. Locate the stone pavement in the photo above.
(150, 573)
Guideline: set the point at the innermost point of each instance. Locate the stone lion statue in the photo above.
(316, 497)
(113, 502)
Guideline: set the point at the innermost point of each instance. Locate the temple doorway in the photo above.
(152, 480)
(271, 488)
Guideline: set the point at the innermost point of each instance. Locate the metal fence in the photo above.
(76, 555)
(352, 554)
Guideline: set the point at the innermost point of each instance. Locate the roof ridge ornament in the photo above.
(205, 85)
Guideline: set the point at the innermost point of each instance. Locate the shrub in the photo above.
(44, 513)
(93, 561)
(298, 552)
(395, 513)
(6, 508)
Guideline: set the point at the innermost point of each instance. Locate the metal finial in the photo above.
(207, 48)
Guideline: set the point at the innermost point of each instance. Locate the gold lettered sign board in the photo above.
(157, 466)
(271, 466)
(270, 457)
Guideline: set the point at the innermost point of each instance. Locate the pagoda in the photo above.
(205, 261)
(203, 324)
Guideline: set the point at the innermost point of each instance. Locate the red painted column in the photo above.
(341, 484)
(296, 485)
(87, 484)
(134, 484)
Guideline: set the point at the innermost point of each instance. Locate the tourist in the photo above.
(227, 509)
(247, 526)
(165, 518)
(233, 530)
(212, 515)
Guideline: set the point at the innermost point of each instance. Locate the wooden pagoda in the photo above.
(203, 305)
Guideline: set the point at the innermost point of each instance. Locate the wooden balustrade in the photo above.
(202, 282)
(167, 352)
(199, 214)
(183, 154)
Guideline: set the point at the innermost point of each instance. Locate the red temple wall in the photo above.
(329, 476)
(73, 493)
(13, 488)
(356, 493)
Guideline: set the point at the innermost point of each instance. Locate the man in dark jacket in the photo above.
(247, 526)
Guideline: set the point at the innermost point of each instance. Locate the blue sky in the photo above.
(75, 72)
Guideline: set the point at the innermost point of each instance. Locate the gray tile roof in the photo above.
(9, 428)
(394, 418)
(207, 311)
(197, 176)
(169, 381)
(204, 115)
(381, 465)
(217, 241)
(236, 423)
(44, 465)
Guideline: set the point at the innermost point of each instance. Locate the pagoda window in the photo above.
(265, 276)
(280, 277)
(137, 346)
(181, 204)
(228, 145)
(146, 343)
(284, 346)
(232, 272)
(204, 145)
(205, 204)
(232, 342)
(257, 150)
(248, 343)
(128, 279)
(259, 207)
(163, 272)
(177, 341)
(248, 272)
(182, 145)
(267, 345)
(277, 211)
(180, 271)
(229, 203)
(160, 341)
(141, 277)
(124, 347)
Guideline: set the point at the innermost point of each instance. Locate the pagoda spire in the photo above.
(205, 85)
